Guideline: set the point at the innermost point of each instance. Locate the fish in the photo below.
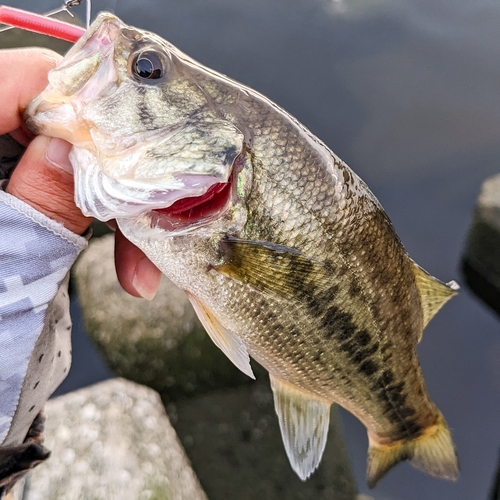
(284, 252)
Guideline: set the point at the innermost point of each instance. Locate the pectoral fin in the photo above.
(304, 421)
(271, 268)
(433, 293)
(227, 341)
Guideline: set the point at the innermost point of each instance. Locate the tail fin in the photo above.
(432, 452)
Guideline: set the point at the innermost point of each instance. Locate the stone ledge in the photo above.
(481, 263)
(112, 441)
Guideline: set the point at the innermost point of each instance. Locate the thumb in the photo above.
(44, 179)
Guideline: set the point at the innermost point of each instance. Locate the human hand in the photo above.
(43, 177)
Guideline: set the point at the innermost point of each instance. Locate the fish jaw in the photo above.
(127, 171)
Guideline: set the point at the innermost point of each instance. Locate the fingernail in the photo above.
(57, 154)
(146, 278)
(51, 56)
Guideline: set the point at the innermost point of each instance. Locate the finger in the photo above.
(23, 77)
(22, 135)
(136, 273)
(43, 178)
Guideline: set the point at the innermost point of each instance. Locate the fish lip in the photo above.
(40, 112)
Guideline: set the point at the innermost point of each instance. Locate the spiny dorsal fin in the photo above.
(271, 268)
(433, 293)
(304, 421)
(227, 341)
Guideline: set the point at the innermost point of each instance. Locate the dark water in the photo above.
(408, 93)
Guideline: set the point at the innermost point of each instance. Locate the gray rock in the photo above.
(112, 441)
(160, 343)
(481, 263)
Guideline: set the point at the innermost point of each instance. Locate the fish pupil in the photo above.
(148, 66)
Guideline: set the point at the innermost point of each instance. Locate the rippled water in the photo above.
(407, 92)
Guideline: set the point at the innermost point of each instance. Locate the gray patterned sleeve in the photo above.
(36, 254)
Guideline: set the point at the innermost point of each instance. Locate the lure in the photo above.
(38, 23)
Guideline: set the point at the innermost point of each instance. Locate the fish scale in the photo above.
(299, 267)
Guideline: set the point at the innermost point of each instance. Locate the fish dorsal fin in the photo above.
(270, 267)
(433, 293)
(227, 341)
(304, 421)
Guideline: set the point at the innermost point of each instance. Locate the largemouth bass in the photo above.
(284, 252)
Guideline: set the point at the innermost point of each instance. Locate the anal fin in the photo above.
(226, 340)
(304, 420)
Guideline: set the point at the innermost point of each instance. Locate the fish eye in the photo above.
(148, 66)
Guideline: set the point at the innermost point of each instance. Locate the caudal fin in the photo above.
(432, 452)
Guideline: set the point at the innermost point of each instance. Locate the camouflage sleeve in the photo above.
(36, 254)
